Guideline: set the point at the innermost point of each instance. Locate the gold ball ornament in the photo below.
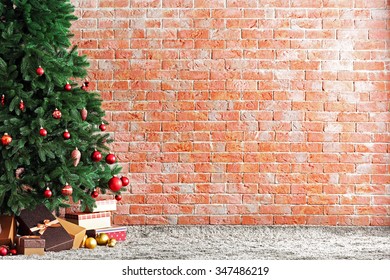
(83, 242)
(102, 239)
(90, 243)
(111, 242)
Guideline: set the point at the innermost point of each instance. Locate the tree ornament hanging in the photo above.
(96, 156)
(125, 181)
(115, 184)
(40, 71)
(6, 139)
(110, 158)
(42, 132)
(66, 134)
(118, 197)
(67, 190)
(57, 114)
(84, 114)
(76, 156)
(85, 85)
(19, 172)
(68, 87)
(21, 106)
(102, 127)
(94, 194)
(47, 193)
(3, 100)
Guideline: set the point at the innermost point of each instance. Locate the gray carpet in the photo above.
(239, 242)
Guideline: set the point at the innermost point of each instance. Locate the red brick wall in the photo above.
(245, 111)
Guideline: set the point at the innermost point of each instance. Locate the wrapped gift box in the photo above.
(119, 233)
(30, 245)
(103, 205)
(75, 231)
(90, 220)
(8, 230)
(41, 222)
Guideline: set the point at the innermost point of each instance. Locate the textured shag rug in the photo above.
(238, 243)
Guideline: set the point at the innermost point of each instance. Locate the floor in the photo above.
(238, 243)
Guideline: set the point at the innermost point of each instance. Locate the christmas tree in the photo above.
(52, 146)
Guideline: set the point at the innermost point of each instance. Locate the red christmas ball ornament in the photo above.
(118, 197)
(110, 158)
(13, 252)
(47, 193)
(40, 71)
(94, 194)
(67, 190)
(85, 85)
(102, 127)
(6, 139)
(2, 100)
(125, 181)
(96, 156)
(43, 132)
(68, 87)
(66, 134)
(57, 114)
(115, 184)
(21, 106)
(3, 251)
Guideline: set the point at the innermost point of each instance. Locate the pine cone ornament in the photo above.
(76, 156)
(84, 114)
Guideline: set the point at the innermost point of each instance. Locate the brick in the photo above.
(381, 200)
(322, 220)
(308, 210)
(355, 200)
(226, 13)
(353, 220)
(372, 210)
(379, 221)
(290, 199)
(226, 199)
(290, 220)
(145, 209)
(367, 65)
(257, 220)
(209, 4)
(193, 220)
(129, 220)
(225, 220)
(178, 209)
(323, 199)
(275, 209)
(210, 209)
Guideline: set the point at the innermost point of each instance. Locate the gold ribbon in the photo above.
(46, 224)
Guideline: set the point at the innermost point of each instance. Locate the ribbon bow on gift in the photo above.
(46, 224)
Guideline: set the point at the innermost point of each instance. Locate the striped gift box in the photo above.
(103, 205)
(90, 220)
